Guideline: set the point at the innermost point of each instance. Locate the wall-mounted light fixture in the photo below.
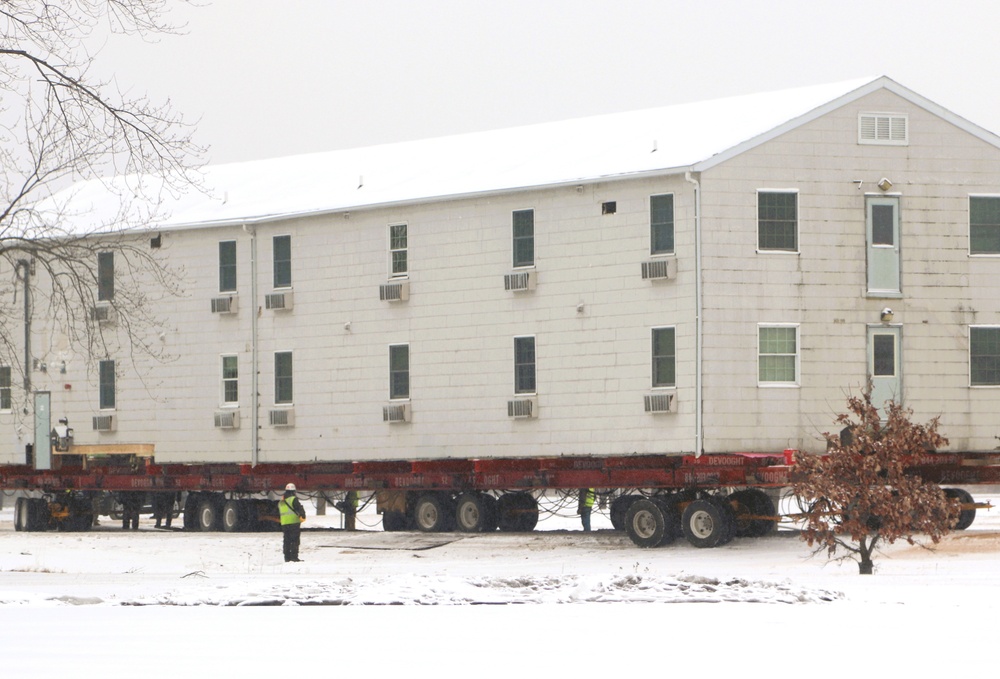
(884, 184)
(886, 315)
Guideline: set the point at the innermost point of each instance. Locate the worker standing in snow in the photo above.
(586, 506)
(292, 514)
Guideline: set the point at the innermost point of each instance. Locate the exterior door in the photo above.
(883, 244)
(884, 363)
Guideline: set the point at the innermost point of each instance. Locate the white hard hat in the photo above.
(290, 486)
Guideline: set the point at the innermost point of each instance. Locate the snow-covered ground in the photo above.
(157, 602)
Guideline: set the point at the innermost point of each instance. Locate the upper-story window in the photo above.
(283, 394)
(891, 129)
(778, 221)
(777, 354)
(524, 238)
(661, 224)
(399, 371)
(524, 365)
(106, 385)
(227, 266)
(984, 225)
(398, 265)
(984, 356)
(664, 358)
(105, 276)
(282, 262)
(5, 388)
(230, 380)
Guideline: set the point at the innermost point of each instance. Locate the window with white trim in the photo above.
(984, 356)
(984, 225)
(890, 129)
(105, 276)
(523, 238)
(777, 354)
(778, 221)
(664, 357)
(397, 250)
(399, 371)
(661, 224)
(227, 266)
(230, 380)
(106, 385)
(6, 402)
(282, 261)
(283, 392)
(524, 365)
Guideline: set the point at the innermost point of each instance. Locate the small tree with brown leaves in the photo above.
(859, 495)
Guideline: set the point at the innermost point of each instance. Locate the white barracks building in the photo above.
(710, 277)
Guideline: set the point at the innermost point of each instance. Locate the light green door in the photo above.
(883, 244)
(884, 363)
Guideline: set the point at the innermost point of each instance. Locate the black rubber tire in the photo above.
(517, 512)
(234, 516)
(471, 513)
(21, 514)
(191, 511)
(393, 522)
(752, 502)
(619, 509)
(728, 518)
(209, 515)
(432, 513)
(966, 516)
(646, 524)
(705, 524)
(490, 504)
(672, 518)
(37, 514)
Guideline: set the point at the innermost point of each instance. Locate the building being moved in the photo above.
(702, 278)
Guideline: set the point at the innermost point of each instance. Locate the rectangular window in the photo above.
(524, 365)
(106, 384)
(105, 276)
(984, 225)
(883, 128)
(661, 224)
(778, 354)
(230, 380)
(397, 250)
(283, 378)
(524, 238)
(777, 221)
(399, 371)
(227, 266)
(5, 393)
(664, 358)
(984, 356)
(282, 262)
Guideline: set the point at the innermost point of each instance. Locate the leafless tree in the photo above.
(860, 494)
(69, 143)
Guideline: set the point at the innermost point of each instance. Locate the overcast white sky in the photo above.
(268, 78)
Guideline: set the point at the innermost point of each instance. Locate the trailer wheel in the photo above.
(647, 524)
(752, 502)
(619, 510)
(209, 516)
(432, 513)
(966, 516)
(517, 512)
(705, 524)
(20, 514)
(191, 511)
(472, 513)
(490, 504)
(234, 516)
(393, 521)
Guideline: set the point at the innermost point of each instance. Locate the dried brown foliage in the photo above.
(859, 495)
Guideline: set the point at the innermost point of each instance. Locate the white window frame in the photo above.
(274, 263)
(798, 356)
(291, 377)
(534, 348)
(798, 221)
(889, 119)
(392, 395)
(393, 250)
(673, 227)
(101, 385)
(7, 390)
(514, 240)
(235, 267)
(969, 207)
(222, 367)
(980, 386)
(652, 356)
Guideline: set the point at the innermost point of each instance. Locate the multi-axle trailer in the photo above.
(655, 498)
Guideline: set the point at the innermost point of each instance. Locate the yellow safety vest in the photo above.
(286, 513)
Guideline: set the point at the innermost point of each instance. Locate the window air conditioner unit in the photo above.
(104, 422)
(520, 281)
(278, 301)
(227, 419)
(661, 403)
(224, 305)
(396, 412)
(394, 292)
(659, 269)
(102, 313)
(522, 408)
(282, 417)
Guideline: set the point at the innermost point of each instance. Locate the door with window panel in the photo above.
(884, 362)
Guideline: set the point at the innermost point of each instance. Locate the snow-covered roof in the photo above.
(676, 138)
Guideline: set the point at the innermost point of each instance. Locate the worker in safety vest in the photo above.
(292, 514)
(586, 506)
